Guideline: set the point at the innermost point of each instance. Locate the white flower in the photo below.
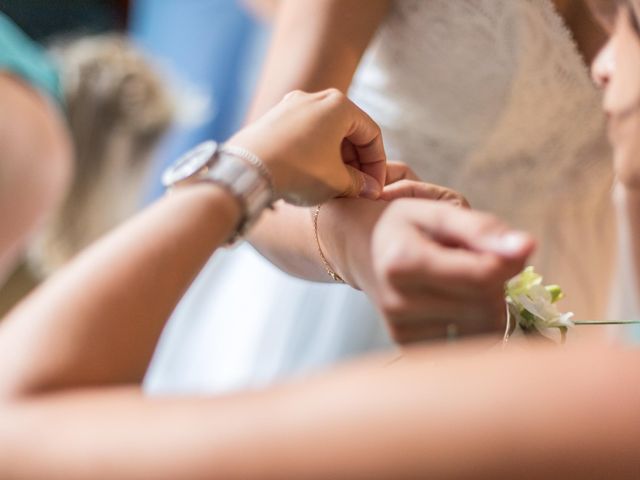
(533, 305)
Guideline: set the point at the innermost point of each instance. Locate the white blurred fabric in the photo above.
(490, 97)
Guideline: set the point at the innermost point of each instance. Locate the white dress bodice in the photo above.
(489, 97)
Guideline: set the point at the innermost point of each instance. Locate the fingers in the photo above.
(361, 185)
(416, 189)
(475, 231)
(472, 315)
(415, 262)
(433, 269)
(365, 136)
(423, 315)
(397, 171)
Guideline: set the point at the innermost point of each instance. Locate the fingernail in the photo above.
(370, 188)
(508, 244)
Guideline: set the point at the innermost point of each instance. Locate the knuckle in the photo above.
(394, 308)
(354, 183)
(334, 93)
(464, 202)
(333, 97)
(402, 261)
(455, 198)
(294, 94)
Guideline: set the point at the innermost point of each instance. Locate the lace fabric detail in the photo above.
(492, 98)
(487, 96)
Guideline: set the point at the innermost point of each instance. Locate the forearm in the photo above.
(500, 415)
(287, 238)
(97, 322)
(317, 44)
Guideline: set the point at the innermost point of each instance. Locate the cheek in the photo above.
(623, 91)
(625, 138)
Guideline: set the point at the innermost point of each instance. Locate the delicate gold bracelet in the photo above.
(325, 262)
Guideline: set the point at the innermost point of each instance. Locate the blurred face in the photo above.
(617, 71)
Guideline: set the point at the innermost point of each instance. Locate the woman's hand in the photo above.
(428, 266)
(439, 267)
(318, 146)
(402, 182)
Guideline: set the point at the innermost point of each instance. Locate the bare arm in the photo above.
(35, 165)
(98, 321)
(66, 353)
(317, 44)
(443, 414)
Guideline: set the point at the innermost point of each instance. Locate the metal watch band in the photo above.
(235, 169)
(245, 182)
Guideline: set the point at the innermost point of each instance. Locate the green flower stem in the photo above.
(606, 322)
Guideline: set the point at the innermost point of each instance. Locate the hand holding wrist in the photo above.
(317, 147)
(344, 234)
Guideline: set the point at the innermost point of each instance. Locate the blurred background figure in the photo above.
(117, 109)
(208, 53)
(35, 171)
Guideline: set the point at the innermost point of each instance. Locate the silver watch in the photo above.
(233, 168)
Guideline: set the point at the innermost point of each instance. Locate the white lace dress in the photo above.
(489, 97)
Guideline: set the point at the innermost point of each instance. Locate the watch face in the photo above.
(189, 164)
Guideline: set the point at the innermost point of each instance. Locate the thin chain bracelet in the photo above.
(334, 276)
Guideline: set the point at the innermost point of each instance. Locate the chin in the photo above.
(626, 154)
(624, 135)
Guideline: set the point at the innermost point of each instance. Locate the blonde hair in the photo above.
(117, 111)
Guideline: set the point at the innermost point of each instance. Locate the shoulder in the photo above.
(23, 57)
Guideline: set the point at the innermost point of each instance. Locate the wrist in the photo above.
(214, 204)
(235, 169)
(344, 234)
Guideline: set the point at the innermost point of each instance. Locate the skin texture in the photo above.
(74, 410)
(617, 71)
(354, 167)
(34, 169)
(318, 44)
(118, 314)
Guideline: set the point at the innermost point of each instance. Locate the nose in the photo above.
(603, 66)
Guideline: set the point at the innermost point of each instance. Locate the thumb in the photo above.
(361, 185)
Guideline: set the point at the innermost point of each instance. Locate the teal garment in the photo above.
(23, 57)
